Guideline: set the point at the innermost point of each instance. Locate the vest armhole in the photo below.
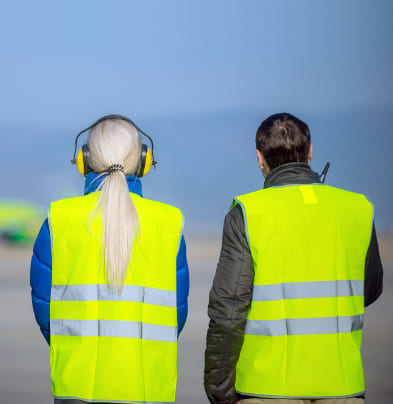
(50, 230)
(372, 224)
(236, 201)
(181, 232)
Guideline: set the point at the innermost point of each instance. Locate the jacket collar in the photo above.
(94, 180)
(291, 174)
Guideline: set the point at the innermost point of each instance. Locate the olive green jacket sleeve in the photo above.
(230, 298)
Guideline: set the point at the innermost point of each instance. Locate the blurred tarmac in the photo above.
(24, 364)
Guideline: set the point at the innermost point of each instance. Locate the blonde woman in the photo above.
(109, 278)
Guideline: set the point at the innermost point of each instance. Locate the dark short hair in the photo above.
(283, 138)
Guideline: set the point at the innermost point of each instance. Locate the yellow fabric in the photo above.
(307, 233)
(307, 308)
(99, 368)
(351, 400)
(80, 163)
(148, 162)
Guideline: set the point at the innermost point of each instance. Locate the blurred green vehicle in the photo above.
(20, 222)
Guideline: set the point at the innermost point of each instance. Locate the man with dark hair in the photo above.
(283, 138)
(298, 263)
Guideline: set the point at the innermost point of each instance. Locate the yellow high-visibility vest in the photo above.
(106, 346)
(304, 326)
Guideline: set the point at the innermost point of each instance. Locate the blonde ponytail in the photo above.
(115, 143)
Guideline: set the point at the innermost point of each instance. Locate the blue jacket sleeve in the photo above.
(182, 285)
(41, 278)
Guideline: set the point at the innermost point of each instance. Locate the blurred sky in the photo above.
(199, 76)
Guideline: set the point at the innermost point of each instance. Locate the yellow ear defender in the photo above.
(145, 162)
(82, 158)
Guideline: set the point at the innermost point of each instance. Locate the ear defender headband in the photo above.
(146, 159)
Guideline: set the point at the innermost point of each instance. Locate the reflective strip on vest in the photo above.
(115, 401)
(130, 293)
(304, 326)
(302, 290)
(113, 328)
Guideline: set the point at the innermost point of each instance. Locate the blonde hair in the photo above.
(115, 142)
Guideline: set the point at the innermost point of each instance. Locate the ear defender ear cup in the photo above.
(82, 160)
(145, 161)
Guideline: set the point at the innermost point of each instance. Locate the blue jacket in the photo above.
(41, 266)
